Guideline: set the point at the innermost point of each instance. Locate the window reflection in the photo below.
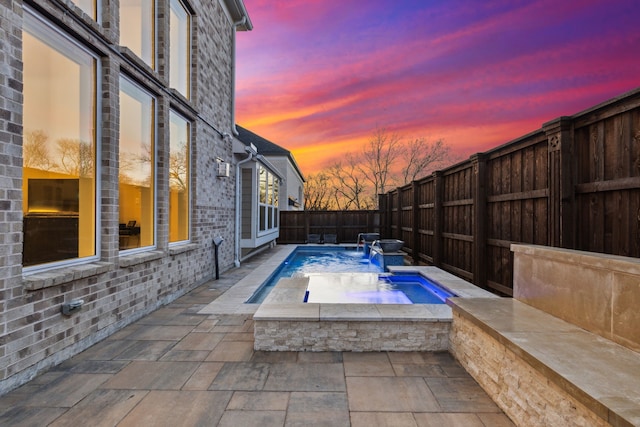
(137, 171)
(180, 48)
(179, 185)
(137, 28)
(268, 199)
(59, 179)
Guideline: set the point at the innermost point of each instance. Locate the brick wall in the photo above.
(117, 289)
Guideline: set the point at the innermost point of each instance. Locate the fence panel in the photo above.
(295, 226)
(574, 183)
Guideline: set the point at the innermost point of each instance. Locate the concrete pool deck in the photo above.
(176, 367)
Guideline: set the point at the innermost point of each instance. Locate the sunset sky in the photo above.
(317, 77)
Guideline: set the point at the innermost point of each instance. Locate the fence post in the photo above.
(479, 220)
(415, 227)
(561, 182)
(399, 215)
(438, 220)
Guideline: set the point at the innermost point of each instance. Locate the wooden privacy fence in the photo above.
(295, 226)
(574, 183)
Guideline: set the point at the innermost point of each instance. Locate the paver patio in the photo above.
(175, 367)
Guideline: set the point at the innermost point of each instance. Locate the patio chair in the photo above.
(331, 238)
(313, 238)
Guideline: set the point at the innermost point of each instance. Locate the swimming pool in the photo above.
(366, 282)
(312, 259)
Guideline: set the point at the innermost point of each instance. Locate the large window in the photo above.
(137, 167)
(180, 48)
(267, 199)
(90, 7)
(179, 178)
(137, 28)
(59, 147)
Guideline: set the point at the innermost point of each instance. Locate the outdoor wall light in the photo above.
(72, 307)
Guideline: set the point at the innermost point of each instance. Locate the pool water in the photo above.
(373, 288)
(364, 283)
(316, 260)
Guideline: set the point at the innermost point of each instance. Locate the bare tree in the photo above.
(317, 192)
(178, 168)
(35, 151)
(76, 157)
(378, 158)
(350, 184)
(422, 157)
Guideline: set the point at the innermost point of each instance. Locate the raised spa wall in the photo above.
(597, 292)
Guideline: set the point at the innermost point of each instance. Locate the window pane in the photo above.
(88, 6)
(179, 48)
(178, 178)
(59, 179)
(263, 184)
(137, 28)
(137, 171)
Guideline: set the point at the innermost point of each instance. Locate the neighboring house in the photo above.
(114, 116)
(292, 188)
(268, 179)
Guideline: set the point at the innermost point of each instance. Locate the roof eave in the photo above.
(239, 14)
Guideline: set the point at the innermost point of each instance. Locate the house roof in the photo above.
(266, 147)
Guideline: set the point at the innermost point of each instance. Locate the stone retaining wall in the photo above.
(523, 393)
(298, 335)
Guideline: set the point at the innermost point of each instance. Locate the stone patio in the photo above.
(177, 367)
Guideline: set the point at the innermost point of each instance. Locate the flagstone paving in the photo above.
(175, 367)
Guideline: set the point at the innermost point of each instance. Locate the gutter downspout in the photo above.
(235, 25)
(250, 154)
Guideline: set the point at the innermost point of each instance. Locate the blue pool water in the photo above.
(405, 288)
(374, 287)
(316, 260)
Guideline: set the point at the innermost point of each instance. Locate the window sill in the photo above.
(63, 275)
(139, 258)
(182, 248)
